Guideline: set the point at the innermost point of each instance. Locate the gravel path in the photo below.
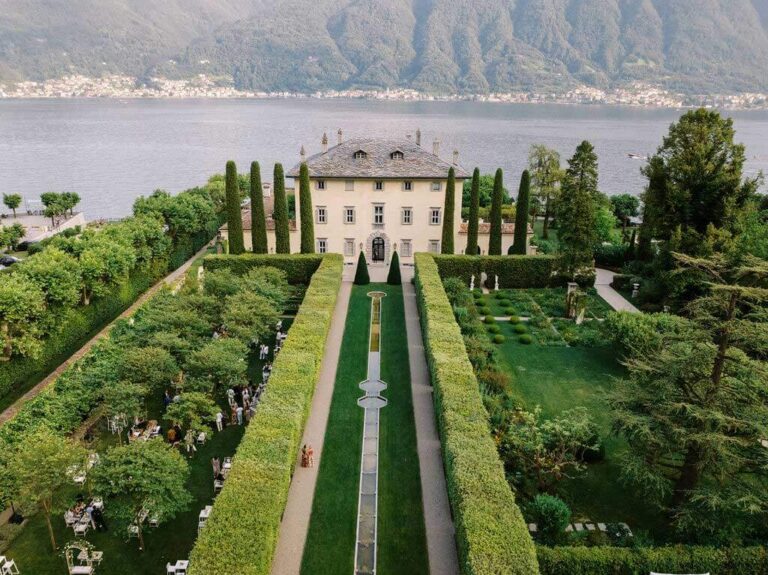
(614, 298)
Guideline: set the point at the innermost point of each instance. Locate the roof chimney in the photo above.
(341, 136)
(303, 154)
(418, 136)
(436, 147)
(325, 142)
(455, 157)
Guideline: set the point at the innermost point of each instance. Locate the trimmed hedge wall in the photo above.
(641, 561)
(491, 534)
(250, 507)
(513, 271)
(299, 268)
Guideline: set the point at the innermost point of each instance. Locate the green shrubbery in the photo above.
(513, 271)
(551, 516)
(525, 339)
(489, 319)
(490, 532)
(637, 561)
(299, 268)
(494, 329)
(499, 339)
(251, 505)
(520, 329)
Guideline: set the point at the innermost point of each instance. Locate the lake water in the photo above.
(112, 151)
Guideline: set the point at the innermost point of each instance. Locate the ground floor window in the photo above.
(349, 247)
(322, 245)
(434, 246)
(405, 248)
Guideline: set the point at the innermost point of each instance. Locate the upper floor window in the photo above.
(407, 218)
(361, 155)
(378, 185)
(320, 184)
(436, 186)
(378, 214)
(321, 215)
(407, 185)
(349, 185)
(349, 215)
(396, 155)
(434, 216)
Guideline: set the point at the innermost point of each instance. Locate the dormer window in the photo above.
(320, 184)
(361, 155)
(396, 155)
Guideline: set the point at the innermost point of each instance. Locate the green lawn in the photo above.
(550, 301)
(559, 378)
(330, 546)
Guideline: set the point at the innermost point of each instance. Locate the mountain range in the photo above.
(445, 46)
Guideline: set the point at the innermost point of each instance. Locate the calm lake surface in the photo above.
(112, 151)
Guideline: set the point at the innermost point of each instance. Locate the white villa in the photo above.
(378, 195)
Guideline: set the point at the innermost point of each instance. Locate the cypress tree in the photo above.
(494, 243)
(282, 237)
(305, 211)
(258, 218)
(474, 214)
(521, 216)
(393, 277)
(361, 273)
(446, 245)
(234, 216)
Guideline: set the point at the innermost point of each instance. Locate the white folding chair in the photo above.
(181, 567)
(170, 569)
(10, 568)
(81, 528)
(201, 438)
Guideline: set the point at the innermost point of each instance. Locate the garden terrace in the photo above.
(177, 328)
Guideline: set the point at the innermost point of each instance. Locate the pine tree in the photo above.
(474, 214)
(576, 212)
(393, 277)
(234, 216)
(258, 218)
(520, 246)
(361, 274)
(282, 237)
(446, 245)
(494, 243)
(305, 211)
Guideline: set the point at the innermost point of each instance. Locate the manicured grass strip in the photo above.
(241, 534)
(491, 534)
(402, 547)
(330, 545)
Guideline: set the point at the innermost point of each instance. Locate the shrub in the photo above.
(525, 339)
(498, 295)
(484, 310)
(513, 271)
(489, 319)
(491, 535)
(252, 502)
(551, 515)
(514, 319)
(393, 276)
(520, 328)
(494, 329)
(510, 311)
(504, 302)
(298, 268)
(612, 255)
(495, 380)
(499, 339)
(361, 273)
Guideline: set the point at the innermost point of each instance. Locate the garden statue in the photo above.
(472, 283)
(635, 290)
(484, 279)
(496, 286)
(575, 303)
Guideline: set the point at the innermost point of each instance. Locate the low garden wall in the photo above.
(491, 534)
(250, 507)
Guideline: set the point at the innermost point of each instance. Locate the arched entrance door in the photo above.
(377, 249)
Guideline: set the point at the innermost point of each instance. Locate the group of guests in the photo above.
(307, 456)
(90, 510)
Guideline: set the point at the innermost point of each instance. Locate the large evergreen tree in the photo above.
(361, 273)
(544, 166)
(494, 243)
(234, 215)
(280, 215)
(305, 211)
(446, 245)
(258, 217)
(474, 214)
(520, 247)
(577, 209)
(393, 277)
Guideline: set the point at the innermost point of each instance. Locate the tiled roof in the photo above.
(340, 162)
(484, 228)
(246, 212)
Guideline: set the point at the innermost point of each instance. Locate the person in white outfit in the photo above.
(220, 421)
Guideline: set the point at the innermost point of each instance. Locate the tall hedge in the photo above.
(234, 215)
(299, 268)
(251, 505)
(520, 246)
(643, 560)
(393, 276)
(491, 534)
(361, 272)
(305, 209)
(497, 199)
(280, 215)
(513, 271)
(449, 210)
(473, 225)
(258, 217)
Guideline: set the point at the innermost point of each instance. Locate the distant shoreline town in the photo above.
(126, 87)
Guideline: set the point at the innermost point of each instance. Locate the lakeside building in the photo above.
(377, 196)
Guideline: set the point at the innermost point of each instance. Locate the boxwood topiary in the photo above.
(489, 319)
(511, 312)
(525, 339)
(514, 319)
(484, 310)
(499, 339)
(521, 328)
(494, 329)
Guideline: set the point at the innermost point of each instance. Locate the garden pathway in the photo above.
(610, 295)
(441, 542)
(170, 279)
(298, 509)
